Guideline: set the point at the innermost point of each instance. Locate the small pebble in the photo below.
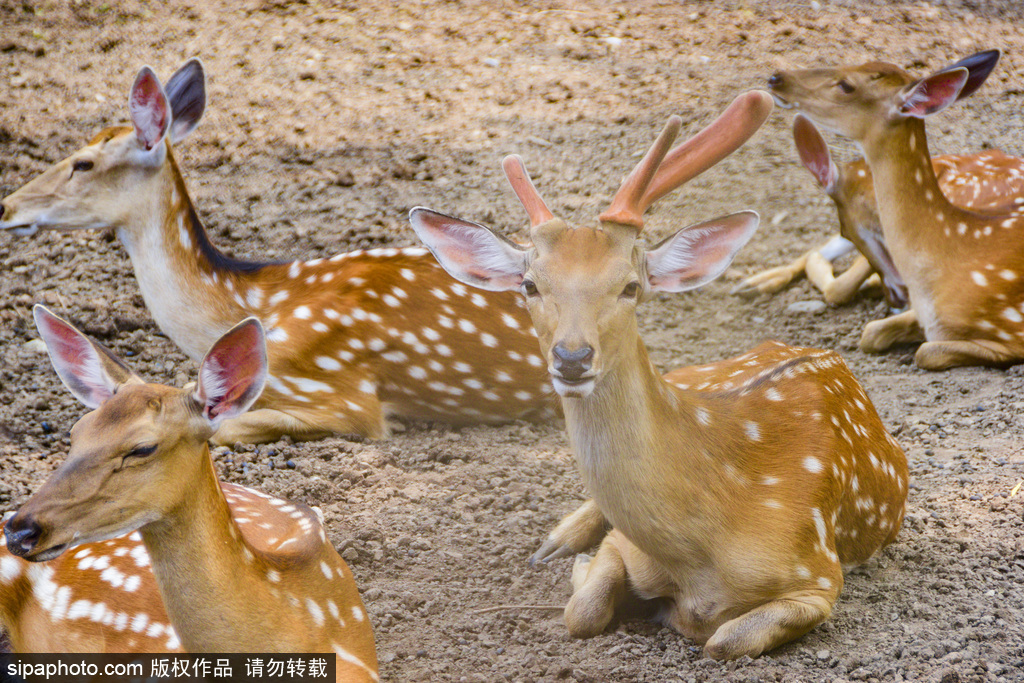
(813, 307)
(34, 346)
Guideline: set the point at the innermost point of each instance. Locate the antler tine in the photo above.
(525, 190)
(626, 207)
(719, 139)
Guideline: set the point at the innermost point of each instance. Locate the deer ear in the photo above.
(814, 153)
(90, 371)
(699, 253)
(980, 65)
(470, 252)
(931, 94)
(186, 92)
(232, 375)
(148, 109)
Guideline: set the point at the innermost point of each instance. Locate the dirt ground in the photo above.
(328, 121)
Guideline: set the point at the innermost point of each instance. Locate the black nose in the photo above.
(22, 535)
(572, 364)
(775, 79)
(1, 210)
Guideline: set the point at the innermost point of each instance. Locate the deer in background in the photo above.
(736, 490)
(352, 339)
(988, 181)
(964, 270)
(102, 597)
(238, 570)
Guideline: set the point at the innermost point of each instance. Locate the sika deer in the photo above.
(736, 490)
(964, 269)
(100, 598)
(238, 570)
(352, 339)
(985, 182)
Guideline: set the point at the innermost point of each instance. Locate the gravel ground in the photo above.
(328, 121)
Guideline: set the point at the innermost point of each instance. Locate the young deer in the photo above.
(238, 570)
(988, 181)
(964, 270)
(736, 490)
(352, 339)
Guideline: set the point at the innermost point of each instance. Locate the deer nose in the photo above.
(1, 210)
(775, 79)
(572, 364)
(22, 535)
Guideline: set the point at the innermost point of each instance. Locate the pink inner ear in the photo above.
(75, 360)
(66, 344)
(934, 93)
(149, 110)
(232, 374)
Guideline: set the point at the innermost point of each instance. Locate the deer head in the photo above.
(852, 100)
(582, 285)
(87, 189)
(133, 457)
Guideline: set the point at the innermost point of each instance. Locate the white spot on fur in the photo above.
(703, 416)
(315, 611)
(277, 335)
(327, 363)
(307, 386)
(10, 569)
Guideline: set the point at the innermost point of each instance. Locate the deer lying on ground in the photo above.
(101, 597)
(736, 490)
(352, 339)
(988, 181)
(964, 270)
(238, 570)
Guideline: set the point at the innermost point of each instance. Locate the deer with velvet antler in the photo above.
(738, 490)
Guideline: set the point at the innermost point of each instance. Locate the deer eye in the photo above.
(529, 288)
(630, 290)
(845, 87)
(141, 451)
(82, 165)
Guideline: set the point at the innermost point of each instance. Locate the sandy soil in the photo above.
(328, 121)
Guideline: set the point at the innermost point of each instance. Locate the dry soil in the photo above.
(327, 121)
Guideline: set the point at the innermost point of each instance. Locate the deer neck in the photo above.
(205, 570)
(914, 212)
(191, 289)
(637, 443)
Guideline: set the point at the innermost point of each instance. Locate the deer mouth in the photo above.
(48, 554)
(782, 102)
(573, 388)
(21, 229)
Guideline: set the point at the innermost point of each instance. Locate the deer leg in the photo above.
(837, 290)
(772, 280)
(874, 281)
(942, 355)
(879, 335)
(769, 625)
(263, 425)
(576, 532)
(603, 583)
(268, 424)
